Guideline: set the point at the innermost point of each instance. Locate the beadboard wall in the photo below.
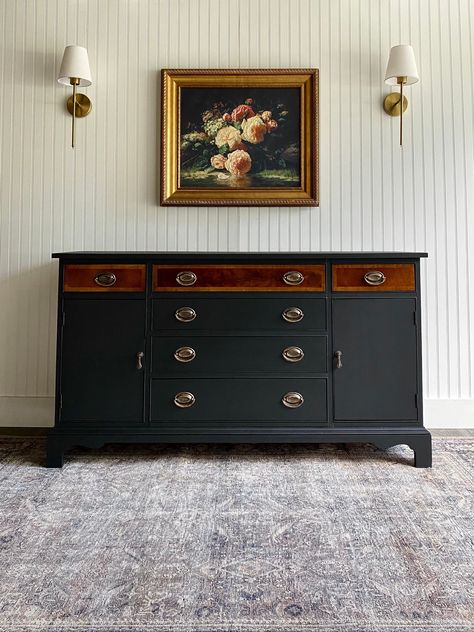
(104, 195)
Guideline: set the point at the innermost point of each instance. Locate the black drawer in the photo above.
(243, 399)
(220, 355)
(240, 314)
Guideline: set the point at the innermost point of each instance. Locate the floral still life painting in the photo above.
(232, 139)
(247, 137)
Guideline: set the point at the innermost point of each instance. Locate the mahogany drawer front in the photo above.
(373, 277)
(210, 313)
(235, 278)
(221, 355)
(104, 277)
(243, 399)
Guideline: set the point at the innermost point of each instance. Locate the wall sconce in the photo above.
(75, 71)
(401, 70)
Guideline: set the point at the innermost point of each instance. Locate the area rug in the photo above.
(237, 539)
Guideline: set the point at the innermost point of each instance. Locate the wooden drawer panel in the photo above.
(240, 314)
(351, 277)
(221, 355)
(87, 278)
(238, 278)
(243, 399)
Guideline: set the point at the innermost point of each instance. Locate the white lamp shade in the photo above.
(75, 64)
(401, 63)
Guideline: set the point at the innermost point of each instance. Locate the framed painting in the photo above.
(240, 137)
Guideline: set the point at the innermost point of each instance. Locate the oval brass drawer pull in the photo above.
(185, 354)
(374, 277)
(293, 399)
(293, 278)
(185, 314)
(184, 399)
(186, 278)
(293, 314)
(293, 354)
(105, 279)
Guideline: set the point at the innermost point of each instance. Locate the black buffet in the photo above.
(238, 348)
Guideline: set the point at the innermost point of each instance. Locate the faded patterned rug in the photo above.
(251, 539)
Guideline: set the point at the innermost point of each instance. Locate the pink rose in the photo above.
(267, 115)
(227, 117)
(218, 161)
(229, 135)
(272, 124)
(238, 162)
(253, 130)
(241, 112)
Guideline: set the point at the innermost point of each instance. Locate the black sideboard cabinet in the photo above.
(238, 348)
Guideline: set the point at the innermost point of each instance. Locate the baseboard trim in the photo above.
(38, 412)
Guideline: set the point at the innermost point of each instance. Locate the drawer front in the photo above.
(220, 355)
(104, 277)
(373, 277)
(238, 399)
(289, 277)
(240, 314)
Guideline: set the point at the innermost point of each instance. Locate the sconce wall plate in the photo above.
(391, 104)
(83, 105)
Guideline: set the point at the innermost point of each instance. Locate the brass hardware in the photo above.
(186, 278)
(105, 279)
(293, 314)
(185, 354)
(140, 356)
(185, 314)
(185, 399)
(293, 354)
(374, 277)
(293, 278)
(395, 104)
(292, 400)
(338, 356)
(79, 105)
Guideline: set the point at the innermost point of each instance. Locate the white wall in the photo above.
(103, 195)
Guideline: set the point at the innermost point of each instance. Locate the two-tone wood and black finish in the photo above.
(186, 348)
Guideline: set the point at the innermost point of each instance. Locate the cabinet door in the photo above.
(100, 380)
(378, 376)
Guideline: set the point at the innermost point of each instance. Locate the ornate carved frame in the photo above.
(307, 80)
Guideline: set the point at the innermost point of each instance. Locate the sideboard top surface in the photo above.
(149, 255)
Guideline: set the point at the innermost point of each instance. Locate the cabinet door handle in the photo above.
(293, 314)
(186, 278)
(185, 354)
(292, 400)
(140, 356)
(374, 277)
(338, 356)
(293, 354)
(185, 314)
(105, 279)
(185, 399)
(293, 277)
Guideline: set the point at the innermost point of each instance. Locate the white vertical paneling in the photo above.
(104, 194)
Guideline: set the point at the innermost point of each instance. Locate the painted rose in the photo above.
(218, 161)
(253, 130)
(229, 135)
(249, 101)
(267, 115)
(241, 112)
(238, 162)
(271, 124)
(227, 117)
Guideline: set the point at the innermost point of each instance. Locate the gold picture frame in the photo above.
(221, 149)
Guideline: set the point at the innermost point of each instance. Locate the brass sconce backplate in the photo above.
(391, 104)
(83, 105)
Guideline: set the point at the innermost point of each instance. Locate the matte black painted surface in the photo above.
(100, 381)
(239, 399)
(234, 313)
(377, 337)
(105, 398)
(233, 355)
